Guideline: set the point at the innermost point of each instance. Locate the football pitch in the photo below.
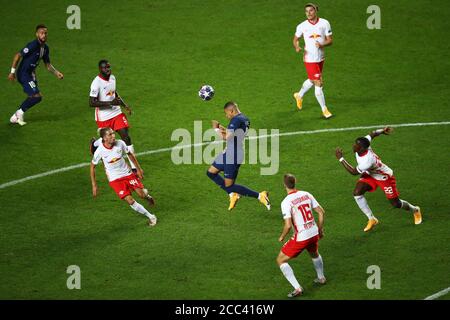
(161, 52)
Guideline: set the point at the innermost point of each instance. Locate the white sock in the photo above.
(362, 203)
(97, 142)
(320, 97)
(305, 87)
(140, 208)
(318, 265)
(289, 275)
(131, 148)
(408, 206)
(20, 112)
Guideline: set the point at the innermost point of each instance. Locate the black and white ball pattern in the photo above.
(206, 92)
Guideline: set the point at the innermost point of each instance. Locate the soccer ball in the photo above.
(206, 92)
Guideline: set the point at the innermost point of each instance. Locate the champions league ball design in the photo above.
(206, 92)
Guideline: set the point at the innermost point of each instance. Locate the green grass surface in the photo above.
(161, 52)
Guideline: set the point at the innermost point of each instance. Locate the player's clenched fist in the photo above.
(339, 153)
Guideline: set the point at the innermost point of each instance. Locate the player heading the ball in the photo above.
(232, 157)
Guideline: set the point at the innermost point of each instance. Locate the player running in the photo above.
(317, 34)
(297, 211)
(29, 58)
(120, 177)
(230, 160)
(374, 173)
(107, 102)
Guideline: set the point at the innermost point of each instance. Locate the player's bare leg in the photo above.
(321, 98)
(415, 210)
(140, 209)
(143, 194)
(360, 189)
(298, 96)
(127, 139)
(282, 261)
(318, 265)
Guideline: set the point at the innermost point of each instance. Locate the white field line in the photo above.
(438, 294)
(85, 164)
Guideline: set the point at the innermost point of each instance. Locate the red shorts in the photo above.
(125, 185)
(293, 248)
(314, 70)
(389, 186)
(118, 122)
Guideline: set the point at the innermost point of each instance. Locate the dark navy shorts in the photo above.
(230, 169)
(29, 83)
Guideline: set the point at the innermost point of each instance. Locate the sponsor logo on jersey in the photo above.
(315, 36)
(114, 160)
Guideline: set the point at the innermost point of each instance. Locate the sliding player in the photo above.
(297, 211)
(230, 160)
(29, 58)
(317, 34)
(119, 174)
(374, 173)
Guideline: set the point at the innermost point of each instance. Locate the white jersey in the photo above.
(105, 90)
(313, 33)
(371, 164)
(113, 160)
(298, 205)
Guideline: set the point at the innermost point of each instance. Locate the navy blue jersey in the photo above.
(31, 54)
(239, 121)
(239, 124)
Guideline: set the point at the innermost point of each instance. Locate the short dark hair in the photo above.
(310, 4)
(230, 103)
(41, 26)
(363, 142)
(102, 62)
(289, 180)
(103, 131)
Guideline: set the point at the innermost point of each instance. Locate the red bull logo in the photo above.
(114, 160)
(315, 36)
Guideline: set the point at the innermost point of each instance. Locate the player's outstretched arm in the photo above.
(286, 228)
(347, 166)
(321, 214)
(12, 73)
(93, 181)
(53, 70)
(385, 130)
